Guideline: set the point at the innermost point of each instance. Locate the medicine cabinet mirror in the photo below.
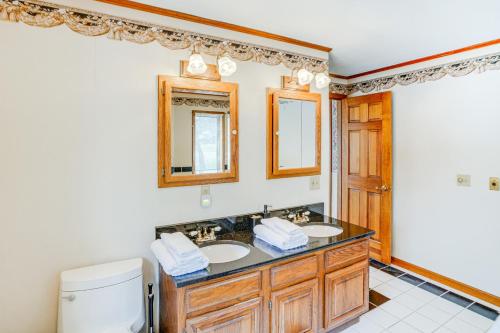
(293, 133)
(198, 132)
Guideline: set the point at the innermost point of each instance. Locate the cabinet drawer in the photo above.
(295, 271)
(346, 255)
(223, 291)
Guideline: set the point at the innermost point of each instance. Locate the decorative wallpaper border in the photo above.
(454, 69)
(46, 15)
(220, 104)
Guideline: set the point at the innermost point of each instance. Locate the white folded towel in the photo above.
(284, 226)
(278, 239)
(170, 266)
(272, 250)
(179, 244)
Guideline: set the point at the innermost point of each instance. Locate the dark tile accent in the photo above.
(392, 271)
(411, 279)
(377, 264)
(187, 169)
(457, 299)
(371, 306)
(432, 288)
(484, 311)
(377, 298)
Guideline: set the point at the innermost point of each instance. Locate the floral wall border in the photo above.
(205, 102)
(46, 15)
(454, 69)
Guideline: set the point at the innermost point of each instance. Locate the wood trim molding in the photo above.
(418, 60)
(214, 23)
(485, 296)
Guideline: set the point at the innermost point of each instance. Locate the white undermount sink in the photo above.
(224, 251)
(321, 230)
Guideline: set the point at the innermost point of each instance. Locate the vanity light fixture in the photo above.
(322, 80)
(227, 66)
(196, 64)
(304, 76)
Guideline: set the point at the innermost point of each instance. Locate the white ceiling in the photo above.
(364, 34)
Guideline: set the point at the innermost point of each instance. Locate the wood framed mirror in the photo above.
(197, 132)
(293, 133)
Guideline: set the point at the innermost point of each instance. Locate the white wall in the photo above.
(441, 129)
(78, 140)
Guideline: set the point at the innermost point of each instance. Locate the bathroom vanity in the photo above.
(314, 288)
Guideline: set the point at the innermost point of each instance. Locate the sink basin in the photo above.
(321, 230)
(224, 251)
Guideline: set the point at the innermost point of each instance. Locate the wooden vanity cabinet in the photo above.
(346, 294)
(242, 317)
(315, 292)
(295, 308)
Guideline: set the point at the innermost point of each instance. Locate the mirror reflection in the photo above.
(200, 132)
(297, 133)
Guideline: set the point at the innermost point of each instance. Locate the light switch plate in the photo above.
(205, 198)
(314, 183)
(494, 183)
(463, 180)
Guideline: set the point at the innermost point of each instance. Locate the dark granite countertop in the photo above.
(239, 228)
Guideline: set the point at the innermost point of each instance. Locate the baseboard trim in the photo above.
(485, 296)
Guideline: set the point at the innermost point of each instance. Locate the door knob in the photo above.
(383, 188)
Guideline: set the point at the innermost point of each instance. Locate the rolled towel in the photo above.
(277, 239)
(179, 244)
(169, 264)
(284, 226)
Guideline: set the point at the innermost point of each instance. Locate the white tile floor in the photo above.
(413, 309)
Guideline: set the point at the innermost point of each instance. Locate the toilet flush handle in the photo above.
(70, 298)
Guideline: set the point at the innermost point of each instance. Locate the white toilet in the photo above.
(107, 298)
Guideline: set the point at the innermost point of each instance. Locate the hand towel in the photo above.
(279, 239)
(281, 225)
(168, 263)
(272, 250)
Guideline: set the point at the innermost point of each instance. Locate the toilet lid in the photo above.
(99, 276)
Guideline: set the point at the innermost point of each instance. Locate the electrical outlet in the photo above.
(463, 180)
(494, 184)
(314, 183)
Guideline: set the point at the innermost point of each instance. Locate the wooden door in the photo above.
(242, 317)
(346, 294)
(295, 309)
(367, 168)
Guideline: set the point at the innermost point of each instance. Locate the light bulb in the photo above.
(196, 64)
(227, 66)
(304, 76)
(322, 80)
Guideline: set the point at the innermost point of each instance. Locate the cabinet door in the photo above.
(346, 294)
(242, 317)
(295, 309)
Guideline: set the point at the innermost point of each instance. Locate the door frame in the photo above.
(338, 98)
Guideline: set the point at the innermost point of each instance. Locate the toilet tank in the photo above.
(106, 298)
